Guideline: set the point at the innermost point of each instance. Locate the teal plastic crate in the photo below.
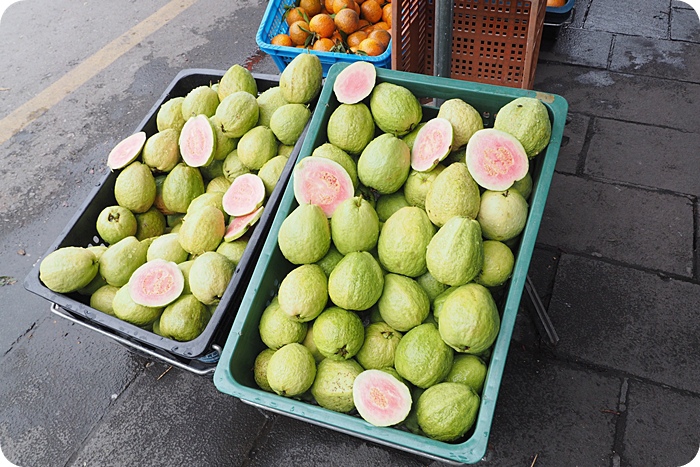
(234, 374)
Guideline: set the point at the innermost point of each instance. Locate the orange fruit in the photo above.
(295, 14)
(371, 47)
(382, 25)
(341, 4)
(347, 20)
(381, 36)
(556, 3)
(328, 4)
(312, 7)
(298, 32)
(323, 45)
(282, 39)
(371, 11)
(356, 37)
(386, 14)
(363, 23)
(322, 25)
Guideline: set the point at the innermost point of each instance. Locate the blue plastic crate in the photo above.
(273, 23)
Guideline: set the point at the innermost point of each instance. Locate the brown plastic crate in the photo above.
(493, 41)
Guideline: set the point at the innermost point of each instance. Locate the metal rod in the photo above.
(539, 313)
(443, 37)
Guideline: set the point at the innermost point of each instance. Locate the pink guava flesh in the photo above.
(245, 195)
(380, 398)
(496, 159)
(322, 182)
(126, 151)
(240, 225)
(156, 283)
(432, 144)
(355, 82)
(197, 142)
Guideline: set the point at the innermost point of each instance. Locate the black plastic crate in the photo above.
(81, 231)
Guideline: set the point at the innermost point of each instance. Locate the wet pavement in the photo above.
(616, 259)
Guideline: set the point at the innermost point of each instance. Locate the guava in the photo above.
(269, 101)
(169, 115)
(291, 370)
(322, 182)
(355, 82)
(387, 205)
(464, 118)
(395, 109)
(338, 333)
(410, 138)
(422, 357)
(156, 283)
(527, 119)
(432, 286)
(126, 151)
(384, 164)
(470, 370)
(403, 303)
(277, 330)
(498, 264)
(403, 241)
(115, 223)
(496, 159)
(418, 184)
(127, 310)
(453, 193)
(158, 201)
(185, 267)
(432, 144)
(303, 293)
(96, 282)
(240, 225)
(502, 214)
(301, 79)
(68, 269)
(446, 411)
(270, 173)
(218, 185)
(380, 398)
(121, 260)
(209, 277)
(455, 254)
(198, 141)
(245, 195)
(167, 247)
(351, 127)
(356, 282)
(233, 167)
(288, 122)
(256, 147)
(208, 199)
(161, 152)
(202, 230)
(184, 319)
(181, 186)
(354, 226)
(284, 150)
(305, 235)
(233, 250)
(237, 78)
(439, 301)
(102, 299)
(150, 224)
(334, 153)
(237, 113)
(309, 343)
(201, 100)
(224, 145)
(469, 320)
(332, 387)
(260, 369)
(523, 186)
(135, 187)
(379, 346)
(330, 260)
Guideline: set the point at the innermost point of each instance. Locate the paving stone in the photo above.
(628, 320)
(179, 419)
(578, 47)
(680, 4)
(669, 418)
(633, 98)
(645, 155)
(635, 226)
(685, 25)
(634, 17)
(295, 442)
(579, 14)
(572, 143)
(697, 241)
(656, 57)
(56, 384)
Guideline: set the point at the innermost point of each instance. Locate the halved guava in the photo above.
(322, 182)
(126, 151)
(245, 195)
(355, 82)
(380, 398)
(496, 159)
(240, 225)
(432, 144)
(198, 141)
(156, 283)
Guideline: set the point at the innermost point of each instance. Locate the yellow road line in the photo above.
(42, 102)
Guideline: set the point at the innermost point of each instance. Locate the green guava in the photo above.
(502, 214)
(527, 119)
(351, 127)
(418, 184)
(269, 101)
(395, 109)
(332, 387)
(102, 299)
(403, 303)
(169, 115)
(452, 193)
(288, 122)
(470, 370)
(237, 113)
(305, 235)
(387, 205)
(379, 346)
(432, 286)
(256, 147)
(184, 319)
(422, 357)
(498, 264)
(121, 260)
(464, 118)
(68, 269)
(330, 260)
(291, 370)
(209, 277)
(338, 333)
(277, 330)
(303, 293)
(260, 369)
(127, 310)
(447, 411)
(233, 167)
(150, 224)
(455, 254)
(115, 223)
(270, 173)
(233, 250)
(301, 79)
(201, 100)
(135, 187)
(237, 78)
(202, 230)
(167, 247)
(403, 242)
(161, 152)
(181, 186)
(384, 164)
(354, 226)
(469, 320)
(356, 282)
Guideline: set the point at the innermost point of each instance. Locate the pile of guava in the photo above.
(185, 198)
(402, 236)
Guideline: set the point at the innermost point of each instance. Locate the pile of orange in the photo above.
(348, 26)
